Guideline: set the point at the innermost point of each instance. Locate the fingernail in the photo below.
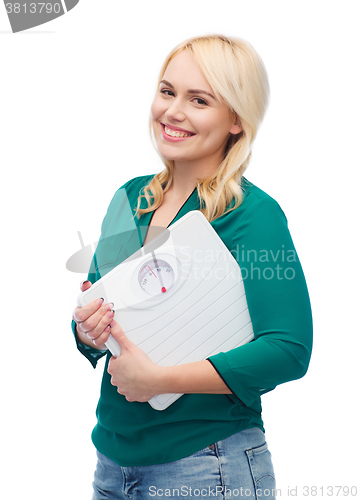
(86, 281)
(110, 314)
(100, 301)
(109, 306)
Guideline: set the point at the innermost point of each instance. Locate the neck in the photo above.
(185, 177)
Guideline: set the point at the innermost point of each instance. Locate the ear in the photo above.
(236, 128)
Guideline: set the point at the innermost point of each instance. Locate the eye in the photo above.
(166, 92)
(200, 101)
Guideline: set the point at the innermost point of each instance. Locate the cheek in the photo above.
(156, 109)
(208, 125)
(218, 128)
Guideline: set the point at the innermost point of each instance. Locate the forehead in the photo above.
(183, 70)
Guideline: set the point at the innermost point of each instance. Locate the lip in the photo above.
(178, 129)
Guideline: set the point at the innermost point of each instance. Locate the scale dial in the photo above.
(156, 276)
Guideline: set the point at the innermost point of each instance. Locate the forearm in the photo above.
(199, 377)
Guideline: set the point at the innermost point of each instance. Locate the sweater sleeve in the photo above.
(278, 303)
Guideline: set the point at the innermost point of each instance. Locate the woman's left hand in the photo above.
(133, 373)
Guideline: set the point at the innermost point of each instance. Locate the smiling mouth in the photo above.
(176, 133)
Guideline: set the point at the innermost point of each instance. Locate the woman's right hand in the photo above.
(93, 320)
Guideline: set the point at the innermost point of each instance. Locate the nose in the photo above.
(175, 111)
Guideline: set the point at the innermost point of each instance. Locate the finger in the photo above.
(95, 325)
(85, 285)
(81, 314)
(111, 369)
(102, 339)
(119, 335)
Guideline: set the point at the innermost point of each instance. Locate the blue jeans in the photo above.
(237, 467)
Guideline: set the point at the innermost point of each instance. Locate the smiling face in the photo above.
(191, 126)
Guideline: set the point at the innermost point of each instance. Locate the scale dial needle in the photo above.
(163, 288)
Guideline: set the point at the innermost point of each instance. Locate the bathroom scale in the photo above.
(180, 297)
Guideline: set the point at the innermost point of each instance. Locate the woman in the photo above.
(211, 99)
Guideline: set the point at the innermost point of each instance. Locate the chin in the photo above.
(167, 154)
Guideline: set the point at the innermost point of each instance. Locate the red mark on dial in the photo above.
(152, 271)
(163, 290)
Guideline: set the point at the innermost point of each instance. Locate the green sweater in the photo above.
(256, 233)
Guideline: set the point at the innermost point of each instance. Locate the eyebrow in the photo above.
(191, 91)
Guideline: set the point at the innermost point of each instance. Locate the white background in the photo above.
(75, 98)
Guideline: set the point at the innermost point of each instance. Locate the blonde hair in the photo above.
(238, 78)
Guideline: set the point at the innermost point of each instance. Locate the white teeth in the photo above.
(175, 133)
